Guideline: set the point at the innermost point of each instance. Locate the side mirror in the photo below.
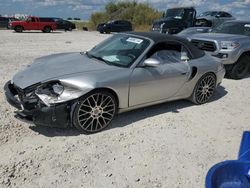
(151, 62)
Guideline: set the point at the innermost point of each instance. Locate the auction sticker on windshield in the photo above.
(134, 40)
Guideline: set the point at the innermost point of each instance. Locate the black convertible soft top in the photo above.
(159, 37)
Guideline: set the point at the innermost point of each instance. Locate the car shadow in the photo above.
(174, 107)
(127, 118)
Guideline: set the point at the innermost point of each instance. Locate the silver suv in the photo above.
(213, 18)
(231, 43)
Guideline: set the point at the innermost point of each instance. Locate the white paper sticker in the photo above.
(111, 58)
(247, 25)
(134, 40)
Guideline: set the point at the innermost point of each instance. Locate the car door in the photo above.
(219, 19)
(116, 27)
(124, 26)
(3, 22)
(60, 24)
(150, 84)
(31, 24)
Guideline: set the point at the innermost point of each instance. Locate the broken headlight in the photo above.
(55, 92)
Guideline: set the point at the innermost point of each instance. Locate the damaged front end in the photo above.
(46, 104)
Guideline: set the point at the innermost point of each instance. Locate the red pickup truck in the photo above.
(46, 25)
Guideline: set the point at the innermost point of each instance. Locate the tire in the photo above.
(204, 89)
(240, 69)
(107, 31)
(18, 29)
(47, 29)
(69, 29)
(94, 112)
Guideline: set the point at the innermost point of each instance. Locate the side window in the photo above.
(33, 20)
(219, 14)
(223, 14)
(168, 53)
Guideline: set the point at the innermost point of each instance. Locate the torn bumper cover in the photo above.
(32, 109)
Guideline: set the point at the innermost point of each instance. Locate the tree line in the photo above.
(141, 15)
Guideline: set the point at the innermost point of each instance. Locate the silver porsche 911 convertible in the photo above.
(125, 72)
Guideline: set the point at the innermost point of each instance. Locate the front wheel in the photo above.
(108, 31)
(94, 112)
(18, 29)
(240, 69)
(204, 89)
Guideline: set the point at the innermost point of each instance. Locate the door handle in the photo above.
(184, 73)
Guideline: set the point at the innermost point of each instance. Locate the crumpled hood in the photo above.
(54, 66)
(217, 37)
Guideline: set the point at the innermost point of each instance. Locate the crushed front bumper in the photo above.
(39, 114)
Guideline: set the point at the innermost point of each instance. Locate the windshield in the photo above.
(119, 50)
(211, 13)
(234, 28)
(174, 13)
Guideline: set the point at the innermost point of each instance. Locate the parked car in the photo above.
(114, 26)
(213, 18)
(230, 42)
(46, 25)
(65, 25)
(175, 20)
(4, 21)
(125, 72)
(194, 30)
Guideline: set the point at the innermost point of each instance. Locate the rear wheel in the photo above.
(204, 89)
(95, 112)
(47, 30)
(18, 29)
(240, 69)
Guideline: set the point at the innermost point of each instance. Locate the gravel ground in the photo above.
(168, 145)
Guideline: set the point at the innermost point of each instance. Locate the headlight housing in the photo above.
(55, 92)
(229, 45)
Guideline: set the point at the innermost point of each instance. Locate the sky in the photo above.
(83, 8)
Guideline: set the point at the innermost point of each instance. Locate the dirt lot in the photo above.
(169, 145)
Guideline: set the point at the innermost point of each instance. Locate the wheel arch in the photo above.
(19, 26)
(245, 53)
(105, 89)
(47, 26)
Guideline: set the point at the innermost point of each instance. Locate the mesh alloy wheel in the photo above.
(204, 89)
(95, 112)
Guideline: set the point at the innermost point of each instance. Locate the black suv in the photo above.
(114, 26)
(4, 21)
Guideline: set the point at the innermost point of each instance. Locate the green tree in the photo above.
(141, 15)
